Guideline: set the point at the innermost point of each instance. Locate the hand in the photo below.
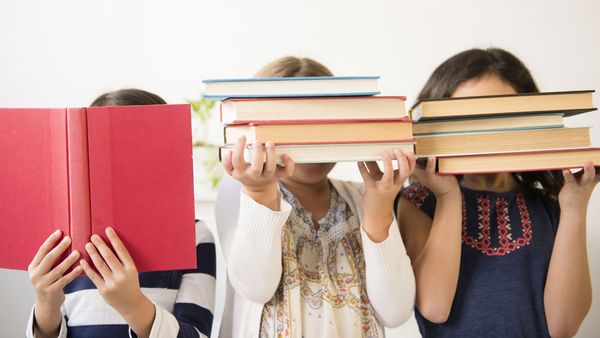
(382, 189)
(117, 281)
(440, 185)
(577, 190)
(259, 178)
(48, 281)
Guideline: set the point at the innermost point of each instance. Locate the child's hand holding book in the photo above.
(577, 190)
(117, 282)
(381, 190)
(440, 185)
(48, 282)
(260, 177)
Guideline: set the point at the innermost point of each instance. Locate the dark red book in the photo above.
(83, 169)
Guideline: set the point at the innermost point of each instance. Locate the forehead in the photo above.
(490, 84)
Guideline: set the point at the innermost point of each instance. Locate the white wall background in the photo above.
(65, 53)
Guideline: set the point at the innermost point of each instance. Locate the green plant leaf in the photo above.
(202, 108)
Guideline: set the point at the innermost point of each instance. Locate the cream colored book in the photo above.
(328, 153)
(502, 142)
(351, 108)
(355, 132)
(519, 162)
(569, 103)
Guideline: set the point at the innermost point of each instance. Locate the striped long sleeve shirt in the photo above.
(184, 301)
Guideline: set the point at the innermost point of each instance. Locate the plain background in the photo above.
(65, 53)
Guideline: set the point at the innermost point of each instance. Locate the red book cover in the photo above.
(83, 169)
(141, 182)
(33, 182)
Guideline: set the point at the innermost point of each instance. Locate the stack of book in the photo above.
(313, 119)
(520, 132)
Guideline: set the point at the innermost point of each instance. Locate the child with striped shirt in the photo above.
(115, 300)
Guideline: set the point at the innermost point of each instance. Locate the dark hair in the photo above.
(291, 66)
(476, 63)
(127, 97)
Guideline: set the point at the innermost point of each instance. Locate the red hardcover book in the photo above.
(83, 169)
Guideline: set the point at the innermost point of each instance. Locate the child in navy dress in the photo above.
(496, 255)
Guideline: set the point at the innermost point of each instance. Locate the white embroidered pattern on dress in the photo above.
(323, 272)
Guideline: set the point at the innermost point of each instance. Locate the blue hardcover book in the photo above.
(322, 86)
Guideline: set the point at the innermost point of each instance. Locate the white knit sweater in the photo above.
(253, 251)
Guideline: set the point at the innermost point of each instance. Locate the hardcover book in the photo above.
(569, 103)
(83, 169)
(347, 108)
(291, 87)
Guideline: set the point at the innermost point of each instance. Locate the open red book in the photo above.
(83, 169)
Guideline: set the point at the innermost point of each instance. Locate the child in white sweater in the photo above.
(312, 256)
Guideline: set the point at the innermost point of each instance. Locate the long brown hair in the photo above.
(475, 63)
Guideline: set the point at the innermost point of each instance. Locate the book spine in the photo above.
(79, 183)
(221, 111)
(59, 176)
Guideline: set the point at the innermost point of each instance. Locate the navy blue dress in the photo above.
(507, 241)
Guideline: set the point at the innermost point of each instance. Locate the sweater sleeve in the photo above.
(389, 277)
(254, 264)
(63, 325)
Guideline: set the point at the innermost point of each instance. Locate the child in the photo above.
(522, 268)
(151, 304)
(312, 256)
